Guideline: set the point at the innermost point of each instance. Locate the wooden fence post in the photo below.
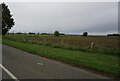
(91, 46)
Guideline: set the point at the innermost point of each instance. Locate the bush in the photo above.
(56, 33)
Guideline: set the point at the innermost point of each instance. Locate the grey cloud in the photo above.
(65, 17)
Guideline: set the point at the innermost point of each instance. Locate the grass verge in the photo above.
(97, 61)
(108, 51)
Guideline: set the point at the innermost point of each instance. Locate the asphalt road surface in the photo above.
(23, 65)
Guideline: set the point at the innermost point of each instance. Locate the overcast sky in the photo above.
(66, 17)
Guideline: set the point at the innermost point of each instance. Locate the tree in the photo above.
(85, 34)
(7, 20)
(56, 33)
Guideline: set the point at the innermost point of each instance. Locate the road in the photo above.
(24, 65)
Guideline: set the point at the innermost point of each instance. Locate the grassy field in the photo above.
(105, 61)
(71, 40)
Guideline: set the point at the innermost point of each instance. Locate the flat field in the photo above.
(71, 40)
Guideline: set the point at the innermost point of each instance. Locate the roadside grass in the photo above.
(107, 51)
(97, 61)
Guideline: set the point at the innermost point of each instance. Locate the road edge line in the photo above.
(9, 73)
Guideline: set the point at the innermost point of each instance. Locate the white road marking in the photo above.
(9, 73)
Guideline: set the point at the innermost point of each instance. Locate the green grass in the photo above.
(97, 61)
(107, 51)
